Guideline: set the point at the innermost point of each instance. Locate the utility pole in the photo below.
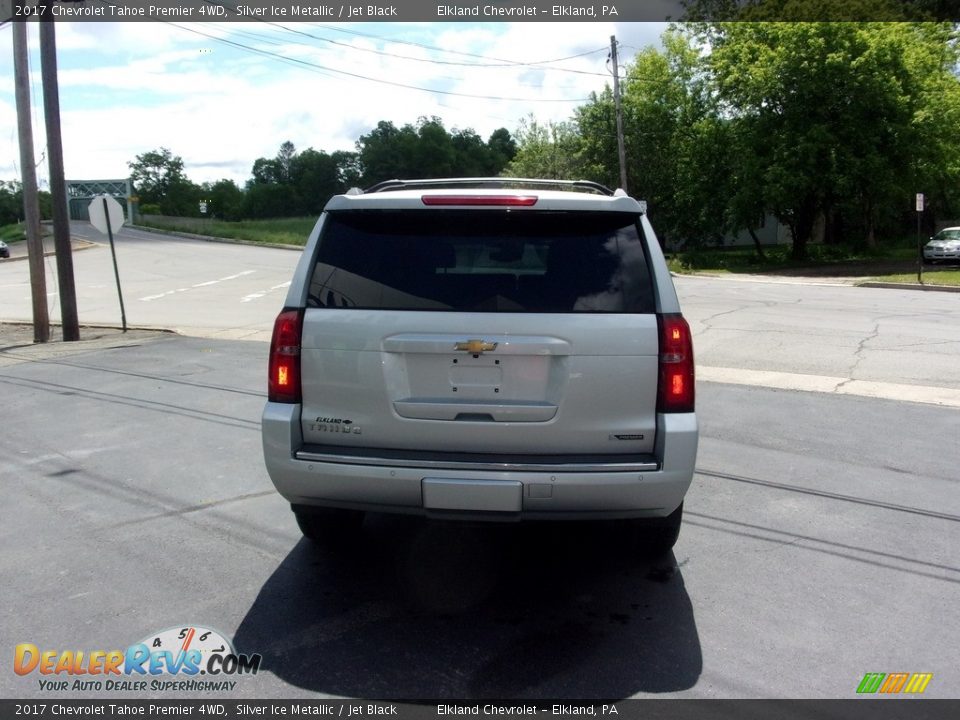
(28, 175)
(58, 186)
(621, 152)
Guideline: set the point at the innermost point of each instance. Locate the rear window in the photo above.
(482, 261)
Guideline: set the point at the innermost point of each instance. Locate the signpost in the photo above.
(105, 215)
(919, 246)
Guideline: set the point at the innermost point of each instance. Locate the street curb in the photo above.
(17, 345)
(782, 280)
(213, 238)
(909, 286)
(75, 244)
(97, 326)
(768, 279)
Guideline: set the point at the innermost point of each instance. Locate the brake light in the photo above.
(502, 200)
(283, 385)
(675, 393)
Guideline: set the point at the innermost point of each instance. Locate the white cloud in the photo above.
(135, 87)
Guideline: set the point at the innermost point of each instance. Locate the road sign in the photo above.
(919, 248)
(106, 215)
(98, 217)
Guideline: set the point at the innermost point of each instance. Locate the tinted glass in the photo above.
(482, 261)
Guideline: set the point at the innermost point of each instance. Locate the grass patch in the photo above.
(14, 232)
(930, 277)
(286, 231)
(777, 257)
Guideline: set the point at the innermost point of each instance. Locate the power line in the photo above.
(451, 52)
(541, 64)
(497, 62)
(324, 70)
(316, 67)
(274, 41)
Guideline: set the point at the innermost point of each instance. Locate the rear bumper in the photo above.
(542, 493)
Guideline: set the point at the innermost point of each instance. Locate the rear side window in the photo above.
(482, 261)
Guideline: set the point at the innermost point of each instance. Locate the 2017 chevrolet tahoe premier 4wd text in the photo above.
(482, 349)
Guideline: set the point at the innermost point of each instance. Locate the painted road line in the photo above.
(263, 293)
(947, 397)
(208, 283)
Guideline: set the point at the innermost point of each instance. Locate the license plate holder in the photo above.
(472, 495)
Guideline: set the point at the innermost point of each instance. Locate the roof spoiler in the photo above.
(489, 182)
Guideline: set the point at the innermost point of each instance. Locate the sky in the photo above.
(222, 95)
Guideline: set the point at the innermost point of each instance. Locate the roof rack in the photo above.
(489, 182)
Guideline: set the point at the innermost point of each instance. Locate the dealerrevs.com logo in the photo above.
(174, 659)
(894, 683)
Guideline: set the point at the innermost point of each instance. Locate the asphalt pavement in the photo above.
(835, 339)
(819, 544)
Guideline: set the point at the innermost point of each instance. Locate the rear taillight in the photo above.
(283, 385)
(676, 392)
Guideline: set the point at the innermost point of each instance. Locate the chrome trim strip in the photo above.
(491, 467)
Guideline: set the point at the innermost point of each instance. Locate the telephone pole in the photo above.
(28, 175)
(58, 185)
(621, 152)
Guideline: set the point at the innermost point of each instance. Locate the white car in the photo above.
(482, 349)
(945, 245)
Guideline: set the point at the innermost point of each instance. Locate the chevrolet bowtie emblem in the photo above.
(476, 346)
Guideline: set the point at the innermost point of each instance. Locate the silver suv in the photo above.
(482, 349)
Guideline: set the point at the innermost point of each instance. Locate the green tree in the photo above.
(413, 151)
(278, 169)
(931, 53)
(596, 125)
(832, 116)
(293, 183)
(676, 149)
(225, 198)
(429, 150)
(382, 154)
(817, 10)
(503, 148)
(155, 173)
(314, 178)
(183, 198)
(348, 169)
(11, 202)
(270, 200)
(431, 153)
(550, 151)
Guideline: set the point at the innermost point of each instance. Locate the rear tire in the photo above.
(329, 527)
(655, 537)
